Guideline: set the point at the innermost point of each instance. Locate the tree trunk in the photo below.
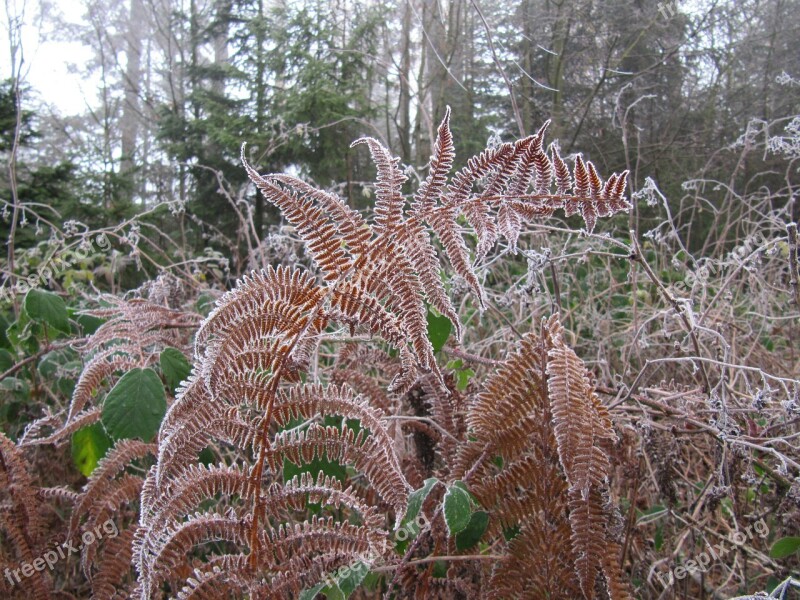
(131, 111)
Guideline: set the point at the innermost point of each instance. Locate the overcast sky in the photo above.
(46, 61)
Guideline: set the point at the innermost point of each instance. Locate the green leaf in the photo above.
(135, 406)
(174, 366)
(207, 456)
(653, 513)
(372, 581)
(311, 593)
(333, 592)
(439, 328)
(460, 484)
(351, 577)
(47, 307)
(55, 360)
(89, 445)
(772, 583)
(19, 387)
(89, 323)
(416, 499)
(205, 304)
(474, 530)
(439, 570)
(4, 323)
(463, 377)
(784, 547)
(658, 540)
(6, 360)
(457, 509)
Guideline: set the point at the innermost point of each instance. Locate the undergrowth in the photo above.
(559, 413)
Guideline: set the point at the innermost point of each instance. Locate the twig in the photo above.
(28, 359)
(794, 278)
(430, 559)
(679, 308)
(471, 357)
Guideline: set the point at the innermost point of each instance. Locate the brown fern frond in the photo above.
(365, 453)
(301, 572)
(188, 427)
(616, 197)
(20, 489)
(160, 512)
(102, 481)
(325, 490)
(511, 401)
(114, 566)
(21, 518)
(445, 407)
(478, 213)
(186, 490)
(444, 224)
(512, 173)
(265, 361)
(583, 433)
(180, 538)
(349, 223)
(100, 367)
(61, 493)
(62, 433)
(259, 346)
(542, 164)
(588, 523)
(259, 289)
(355, 303)
(33, 430)
(538, 564)
(422, 255)
(365, 385)
(310, 400)
(441, 162)
(140, 322)
(319, 232)
(389, 217)
(618, 587)
(255, 325)
(563, 180)
(582, 426)
(479, 167)
(325, 536)
(402, 294)
(135, 333)
(40, 585)
(214, 582)
(124, 492)
(509, 225)
(191, 396)
(539, 413)
(389, 203)
(583, 185)
(385, 297)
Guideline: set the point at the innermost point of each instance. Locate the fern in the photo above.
(247, 393)
(134, 333)
(23, 531)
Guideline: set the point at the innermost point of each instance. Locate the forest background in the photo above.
(689, 334)
(662, 89)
